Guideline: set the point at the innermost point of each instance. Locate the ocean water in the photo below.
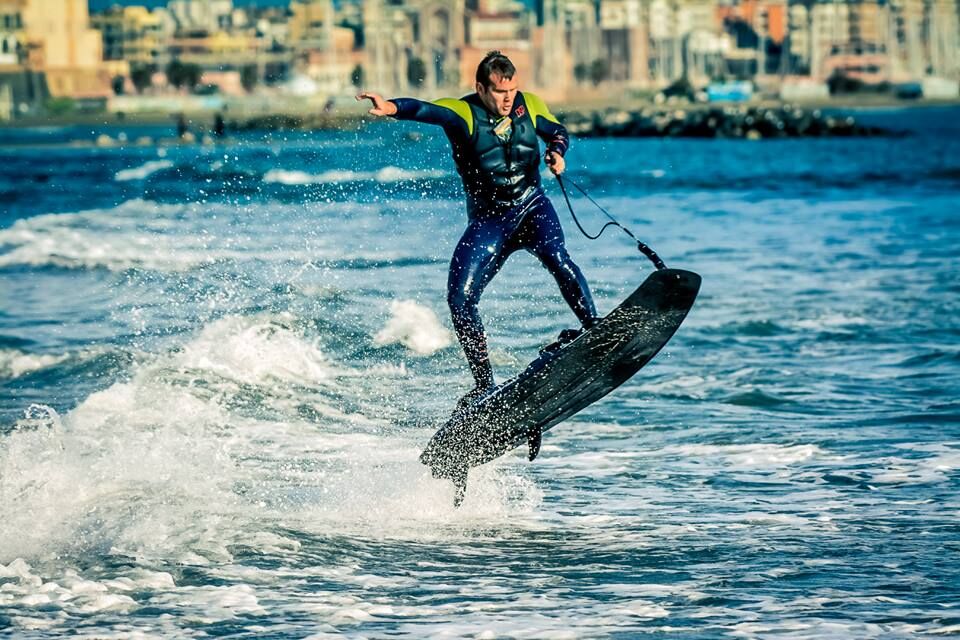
(218, 366)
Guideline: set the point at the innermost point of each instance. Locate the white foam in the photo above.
(831, 321)
(256, 350)
(928, 469)
(138, 234)
(210, 604)
(67, 592)
(170, 441)
(170, 468)
(135, 234)
(415, 326)
(748, 455)
(385, 175)
(142, 172)
(15, 363)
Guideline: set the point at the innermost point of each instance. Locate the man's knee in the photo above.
(461, 299)
(557, 259)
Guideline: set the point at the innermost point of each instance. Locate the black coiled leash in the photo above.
(644, 249)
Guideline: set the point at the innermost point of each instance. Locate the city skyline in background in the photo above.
(133, 56)
(102, 5)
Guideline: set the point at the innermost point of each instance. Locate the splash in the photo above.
(249, 423)
(414, 326)
(384, 175)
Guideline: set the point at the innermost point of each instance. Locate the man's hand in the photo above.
(381, 107)
(555, 161)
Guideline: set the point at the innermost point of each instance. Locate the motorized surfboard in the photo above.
(564, 379)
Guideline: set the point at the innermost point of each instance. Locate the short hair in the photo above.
(494, 63)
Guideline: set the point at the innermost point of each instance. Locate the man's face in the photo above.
(499, 96)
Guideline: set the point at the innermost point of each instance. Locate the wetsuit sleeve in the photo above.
(548, 127)
(446, 112)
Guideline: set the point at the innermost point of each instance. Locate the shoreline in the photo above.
(353, 117)
(754, 120)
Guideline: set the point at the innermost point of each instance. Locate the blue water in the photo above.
(218, 366)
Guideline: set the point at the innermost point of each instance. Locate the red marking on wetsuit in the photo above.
(520, 111)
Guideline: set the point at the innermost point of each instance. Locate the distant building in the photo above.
(202, 15)
(417, 37)
(60, 43)
(862, 52)
(497, 26)
(11, 27)
(326, 52)
(134, 34)
(312, 25)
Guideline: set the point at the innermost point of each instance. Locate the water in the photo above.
(219, 365)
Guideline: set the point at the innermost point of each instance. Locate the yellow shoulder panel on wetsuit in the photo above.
(459, 107)
(537, 107)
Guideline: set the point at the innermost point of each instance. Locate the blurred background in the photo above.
(59, 57)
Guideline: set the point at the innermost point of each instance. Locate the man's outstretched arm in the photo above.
(445, 112)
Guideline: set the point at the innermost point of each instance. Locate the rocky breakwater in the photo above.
(751, 123)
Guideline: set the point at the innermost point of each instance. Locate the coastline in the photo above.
(348, 113)
(585, 118)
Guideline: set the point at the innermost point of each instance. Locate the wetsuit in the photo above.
(498, 159)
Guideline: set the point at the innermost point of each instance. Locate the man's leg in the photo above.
(477, 258)
(542, 235)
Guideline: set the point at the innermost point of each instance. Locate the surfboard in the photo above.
(563, 380)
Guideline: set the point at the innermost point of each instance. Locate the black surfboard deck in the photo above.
(564, 380)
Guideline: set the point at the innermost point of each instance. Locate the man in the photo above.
(494, 133)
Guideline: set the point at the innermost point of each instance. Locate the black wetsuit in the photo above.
(498, 159)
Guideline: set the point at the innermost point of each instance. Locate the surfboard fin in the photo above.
(459, 478)
(534, 440)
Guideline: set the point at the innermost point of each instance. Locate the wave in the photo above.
(131, 235)
(709, 179)
(926, 464)
(385, 175)
(756, 398)
(15, 363)
(414, 326)
(254, 351)
(137, 234)
(748, 455)
(249, 422)
(832, 321)
(142, 172)
(929, 357)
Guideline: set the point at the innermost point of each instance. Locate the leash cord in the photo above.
(643, 248)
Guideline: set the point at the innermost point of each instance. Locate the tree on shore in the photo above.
(60, 106)
(580, 72)
(116, 83)
(141, 75)
(599, 71)
(181, 74)
(249, 77)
